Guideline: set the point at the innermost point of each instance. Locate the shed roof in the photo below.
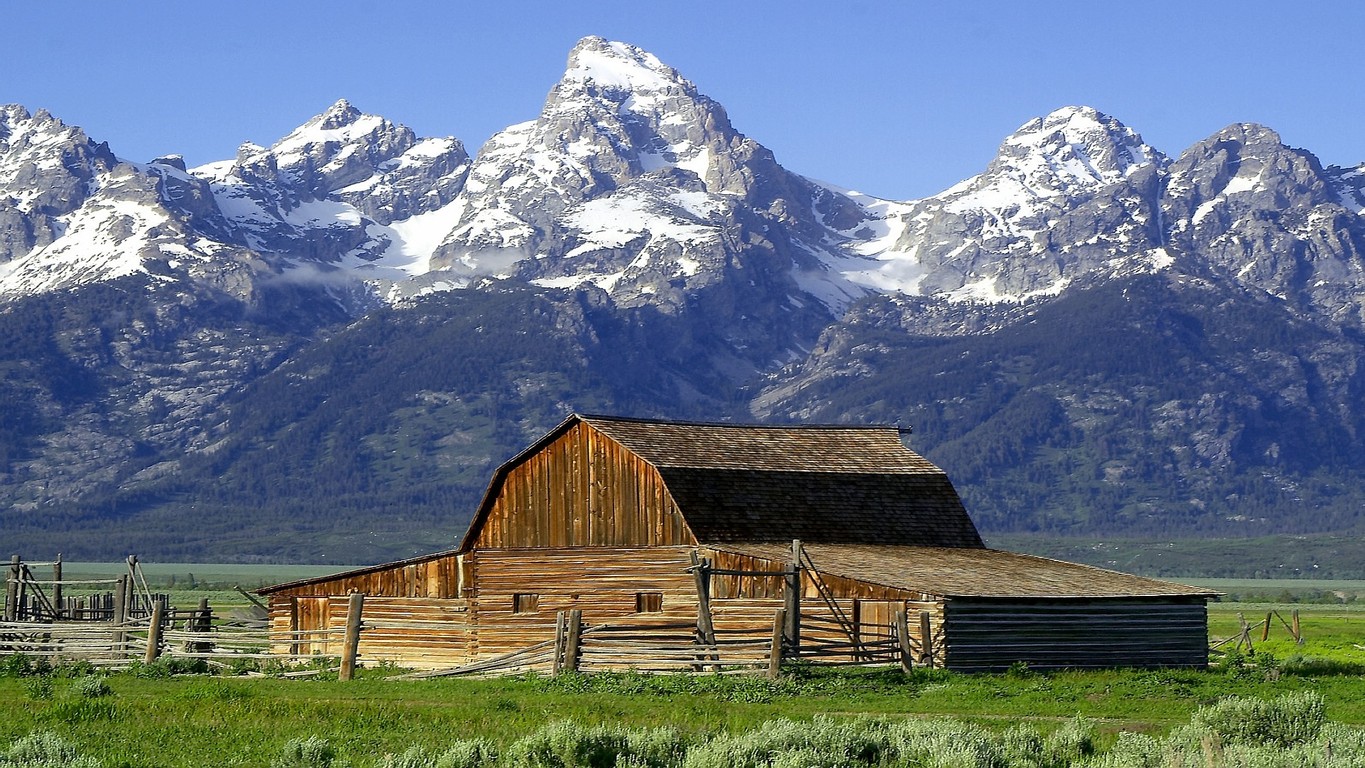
(970, 572)
(743, 482)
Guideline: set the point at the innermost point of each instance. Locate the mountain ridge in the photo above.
(358, 318)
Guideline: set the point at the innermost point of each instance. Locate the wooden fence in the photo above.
(668, 644)
(1242, 640)
(178, 634)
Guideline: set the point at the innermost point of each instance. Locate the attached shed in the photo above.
(624, 519)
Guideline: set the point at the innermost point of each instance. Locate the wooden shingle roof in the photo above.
(969, 572)
(849, 449)
(833, 484)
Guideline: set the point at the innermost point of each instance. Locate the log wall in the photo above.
(603, 582)
(423, 633)
(582, 490)
(1153, 632)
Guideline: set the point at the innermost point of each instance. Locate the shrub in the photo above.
(1294, 718)
(944, 743)
(1137, 750)
(472, 753)
(413, 757)
(565, 744)
(93, 687)
(312, 752)
(823, 743)
(1070, 743)
(39, 688)
(44, 750)
(23, 665)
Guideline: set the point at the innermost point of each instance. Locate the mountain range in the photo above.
(318, 350)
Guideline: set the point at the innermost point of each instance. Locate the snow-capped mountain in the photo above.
(1269, 216)
(387, 296)
(1068, 196)
(633, 181)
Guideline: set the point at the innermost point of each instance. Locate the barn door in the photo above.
(874, 623)
(313, 613)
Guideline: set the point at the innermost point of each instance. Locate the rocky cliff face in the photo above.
(1266, 215)
(1069, 198)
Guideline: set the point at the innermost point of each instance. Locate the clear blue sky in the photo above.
(897, 99)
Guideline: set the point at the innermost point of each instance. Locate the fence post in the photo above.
(154, 632)
(1298, 636)
(351, 644)
(120, 614)
(1246, 635)
(792, 604)
(926, 640)
(706, 630)
(573, 640)
(57, 587)
(203, 622)
(1265, 632)
(561, 627)
(12, 589)
(775, 653)
(903, 638)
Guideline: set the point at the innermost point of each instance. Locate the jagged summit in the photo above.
(1072, 145)
(618, 66)
(338, 115)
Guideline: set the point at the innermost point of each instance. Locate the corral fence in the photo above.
(1242, 641)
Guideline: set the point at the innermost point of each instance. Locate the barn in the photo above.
(839, 537)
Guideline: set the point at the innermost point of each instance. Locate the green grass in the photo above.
(196, 721)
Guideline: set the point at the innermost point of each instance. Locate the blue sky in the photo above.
(896, 99)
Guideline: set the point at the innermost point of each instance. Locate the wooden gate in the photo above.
(874, 623)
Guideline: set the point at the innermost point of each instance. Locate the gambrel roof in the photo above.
(752, 483)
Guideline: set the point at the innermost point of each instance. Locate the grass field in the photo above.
(199, 721)
(155, 721)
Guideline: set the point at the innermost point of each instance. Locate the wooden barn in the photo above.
(861, 543)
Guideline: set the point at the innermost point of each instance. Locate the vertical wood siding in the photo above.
(438, 577)
(582, 490)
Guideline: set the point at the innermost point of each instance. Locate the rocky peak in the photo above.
(1070, 197)
(47, 170)
(620, 117)
(339, 115)
(618, 67)
(338, 148)
(1069, 147)
(1246, 158)
(1269, 216)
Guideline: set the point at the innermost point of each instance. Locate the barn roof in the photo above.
(969, 572)
(834, 484)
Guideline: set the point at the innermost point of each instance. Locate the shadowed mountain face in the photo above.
(321, 349)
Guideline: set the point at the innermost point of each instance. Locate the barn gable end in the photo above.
(579, 488)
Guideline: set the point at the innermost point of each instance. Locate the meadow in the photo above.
(811, 717)
(147, 718)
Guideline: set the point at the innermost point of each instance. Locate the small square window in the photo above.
(525, 602)
(649, 602)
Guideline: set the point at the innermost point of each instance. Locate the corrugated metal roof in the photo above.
(970, 572)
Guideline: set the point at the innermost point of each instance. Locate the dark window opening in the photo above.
(524, 602)
(649, 602)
